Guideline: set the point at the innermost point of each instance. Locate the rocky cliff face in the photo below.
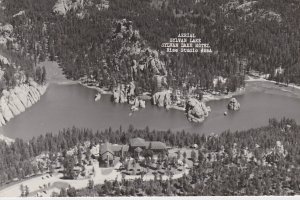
(16, 100)
(133, 46)
(250, 9)
(122, 93)
(234, 104)
(126, 94)
(62, 7)
(196, 111)
(146, 61)
(162, 99)
(137, 103)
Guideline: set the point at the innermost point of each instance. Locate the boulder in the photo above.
(134, 108)
(234, 104)
(119, 94)
(122, 92)
(142, 104)
(157, 66)
(131, 89)
(160, 81)
(162, 99)
(196, 111)
(116, 96)
(137, 103)
(4, 60)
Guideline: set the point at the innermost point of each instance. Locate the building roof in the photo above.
(153, 145)
(138, 149)
(105, 147)
(137, 142)
(156, 145)
(112, 148)
(108, 155)
(117, 147)
(106, 151)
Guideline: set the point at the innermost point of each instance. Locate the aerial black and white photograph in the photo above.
(121, 98)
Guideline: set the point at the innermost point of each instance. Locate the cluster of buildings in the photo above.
(108, 152)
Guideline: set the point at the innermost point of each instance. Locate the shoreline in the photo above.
(254, 79)
(206, 97)
(16, 101)
(290, 90)
(211, 97)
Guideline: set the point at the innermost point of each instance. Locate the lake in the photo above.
(67, 105)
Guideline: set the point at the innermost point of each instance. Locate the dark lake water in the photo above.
(70, 105)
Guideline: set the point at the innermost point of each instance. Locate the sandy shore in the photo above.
(269, 86)
(55, 73)
(254, 79)
(210, 97)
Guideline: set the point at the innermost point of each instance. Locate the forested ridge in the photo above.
(244, 35)
(258, 161)
(15, 67)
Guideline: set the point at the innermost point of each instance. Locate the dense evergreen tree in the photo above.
(240, 42)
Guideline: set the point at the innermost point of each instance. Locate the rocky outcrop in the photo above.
(234, 104)
(62, 7)
(145, 58)
(119, 95)
(196, 111)
(142, 104)
(97, 97)
(15, 101)
(138, 103)
(6, 32)
(249, 10)
(7, 140)
(156, 65)
(122, 93)
(162, 99)
(125, 94)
